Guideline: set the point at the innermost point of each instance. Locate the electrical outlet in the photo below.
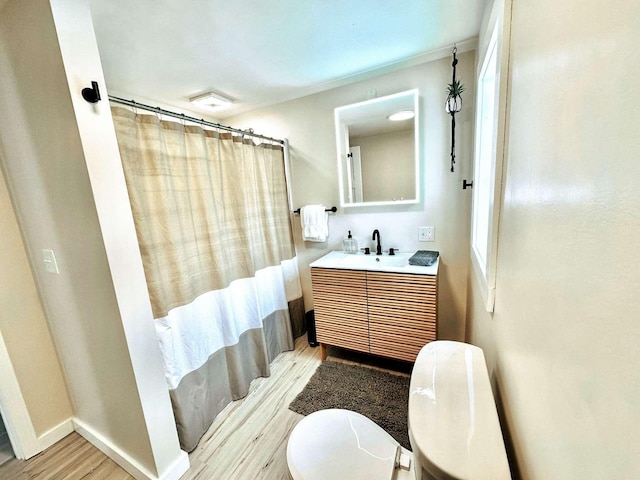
(426, 234)
(372, 93)
(431, 234)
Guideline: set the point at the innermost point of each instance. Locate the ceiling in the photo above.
(260, 53)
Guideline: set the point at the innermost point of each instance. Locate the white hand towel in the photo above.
(315, 223)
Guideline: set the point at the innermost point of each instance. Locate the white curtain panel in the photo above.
(213, 223)
(190, 334)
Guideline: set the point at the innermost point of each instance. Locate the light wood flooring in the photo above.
(247, 441)
(71, 458)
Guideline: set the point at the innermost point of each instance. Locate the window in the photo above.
(487, 169)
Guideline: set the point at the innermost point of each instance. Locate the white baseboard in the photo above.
(178, 468)
(56, 434)
(113, 452)
(174, 472)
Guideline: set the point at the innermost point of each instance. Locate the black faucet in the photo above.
(378, 247)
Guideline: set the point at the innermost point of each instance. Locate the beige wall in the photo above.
(64, 174)
(388, 166)
(25, 331)
(562, 342)
(308, 123)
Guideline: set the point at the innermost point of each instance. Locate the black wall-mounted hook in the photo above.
(91, 95)
(466, 184)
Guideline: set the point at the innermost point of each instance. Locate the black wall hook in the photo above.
(91, 95)
(466, 184)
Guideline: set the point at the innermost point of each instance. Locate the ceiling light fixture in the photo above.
(401, 115)
(210, 100)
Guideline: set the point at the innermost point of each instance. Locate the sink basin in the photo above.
(397, 260)
(398, 263)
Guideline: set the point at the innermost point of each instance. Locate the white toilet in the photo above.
(453, 429)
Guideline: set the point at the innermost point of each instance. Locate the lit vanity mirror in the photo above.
(378, 151)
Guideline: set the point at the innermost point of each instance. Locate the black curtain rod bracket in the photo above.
(91, 95)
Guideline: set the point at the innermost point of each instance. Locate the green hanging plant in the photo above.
(455, 89)
(453, 104)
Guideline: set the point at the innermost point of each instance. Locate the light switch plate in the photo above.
(49, 259)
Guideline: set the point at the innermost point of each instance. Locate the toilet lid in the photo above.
(453, 422)
(340, 444)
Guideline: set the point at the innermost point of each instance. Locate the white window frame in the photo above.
(484, 261)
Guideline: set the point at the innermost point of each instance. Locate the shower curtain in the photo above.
(213, 225)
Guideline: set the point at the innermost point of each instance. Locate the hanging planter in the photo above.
(453, 104)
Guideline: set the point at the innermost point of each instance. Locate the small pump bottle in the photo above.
(350, 244)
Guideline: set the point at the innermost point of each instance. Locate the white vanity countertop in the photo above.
(398, 263)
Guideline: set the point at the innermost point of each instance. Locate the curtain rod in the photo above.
(182, 116)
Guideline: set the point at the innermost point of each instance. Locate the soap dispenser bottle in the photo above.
(350, 244)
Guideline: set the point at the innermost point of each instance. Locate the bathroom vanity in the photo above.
(375, 304)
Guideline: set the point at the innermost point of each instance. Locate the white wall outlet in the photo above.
(49, 259)
(426, 234)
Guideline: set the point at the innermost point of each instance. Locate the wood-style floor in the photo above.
(247, 441)
(71, 458)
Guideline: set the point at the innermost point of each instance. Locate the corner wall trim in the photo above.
(55, 434)
(178, 467)
(14, 410)
(113, 452)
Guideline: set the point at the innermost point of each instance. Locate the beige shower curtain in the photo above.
(213, 224)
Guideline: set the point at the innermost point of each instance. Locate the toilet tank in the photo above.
(453, 423)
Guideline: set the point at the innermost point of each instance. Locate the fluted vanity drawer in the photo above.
(401, 295)
(408, 280)
(393, 348)
(400, 337)
(402, 312)
(402, 324)
(340, 304)
(332, 278)
(339, 294)
(359, 342)
(343, 332)
(406, 288)
(379, 306)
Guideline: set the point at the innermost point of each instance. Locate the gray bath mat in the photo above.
(380, 396)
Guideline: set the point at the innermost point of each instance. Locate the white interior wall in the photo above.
(562, 343)
(388, 166)
(308, 124)
(24, 329)
(65, 177)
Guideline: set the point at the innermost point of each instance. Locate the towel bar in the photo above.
(332, 209)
